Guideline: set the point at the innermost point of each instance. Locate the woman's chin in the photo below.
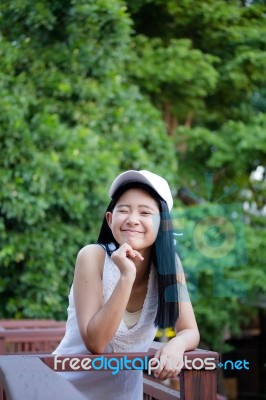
(135, 244)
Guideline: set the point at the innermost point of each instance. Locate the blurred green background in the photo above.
(90, 88)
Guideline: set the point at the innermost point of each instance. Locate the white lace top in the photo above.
(102, 384)
(137, 338)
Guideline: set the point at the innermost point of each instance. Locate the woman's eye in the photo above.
(145, 213)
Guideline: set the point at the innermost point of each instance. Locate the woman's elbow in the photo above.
(94, 344)
(95, 348)
(197, 337)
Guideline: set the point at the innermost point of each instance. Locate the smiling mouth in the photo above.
(131, 231)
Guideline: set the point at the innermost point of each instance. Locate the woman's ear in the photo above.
(109, 217)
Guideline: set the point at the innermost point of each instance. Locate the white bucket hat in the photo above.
(156, 182)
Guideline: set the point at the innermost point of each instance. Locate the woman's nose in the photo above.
(132, 218)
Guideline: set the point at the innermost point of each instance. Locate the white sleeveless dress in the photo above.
(103, 385)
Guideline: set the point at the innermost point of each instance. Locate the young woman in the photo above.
(126, 286)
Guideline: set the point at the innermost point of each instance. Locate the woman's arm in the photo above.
(97, 321)
(187, 335)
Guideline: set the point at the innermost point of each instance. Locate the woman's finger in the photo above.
(137, 253)
(169, 369)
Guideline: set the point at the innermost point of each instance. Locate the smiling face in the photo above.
(135, 219)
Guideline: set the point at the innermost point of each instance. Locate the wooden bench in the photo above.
(32, 377)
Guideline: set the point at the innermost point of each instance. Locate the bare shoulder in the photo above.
(92, 250)
(90, 259)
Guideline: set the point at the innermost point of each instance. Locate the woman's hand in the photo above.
(123, 257)
(170, 356)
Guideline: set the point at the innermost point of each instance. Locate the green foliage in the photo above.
(227, 36)
(155, 68)
(69, 122)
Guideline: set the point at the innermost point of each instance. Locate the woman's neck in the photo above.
(143, 267)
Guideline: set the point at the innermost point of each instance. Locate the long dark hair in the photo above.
(163, 255)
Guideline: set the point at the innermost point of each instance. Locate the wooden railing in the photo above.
(31, 376)
(30, 336)
(31, 323)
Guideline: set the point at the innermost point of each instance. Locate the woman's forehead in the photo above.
(137, 196)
